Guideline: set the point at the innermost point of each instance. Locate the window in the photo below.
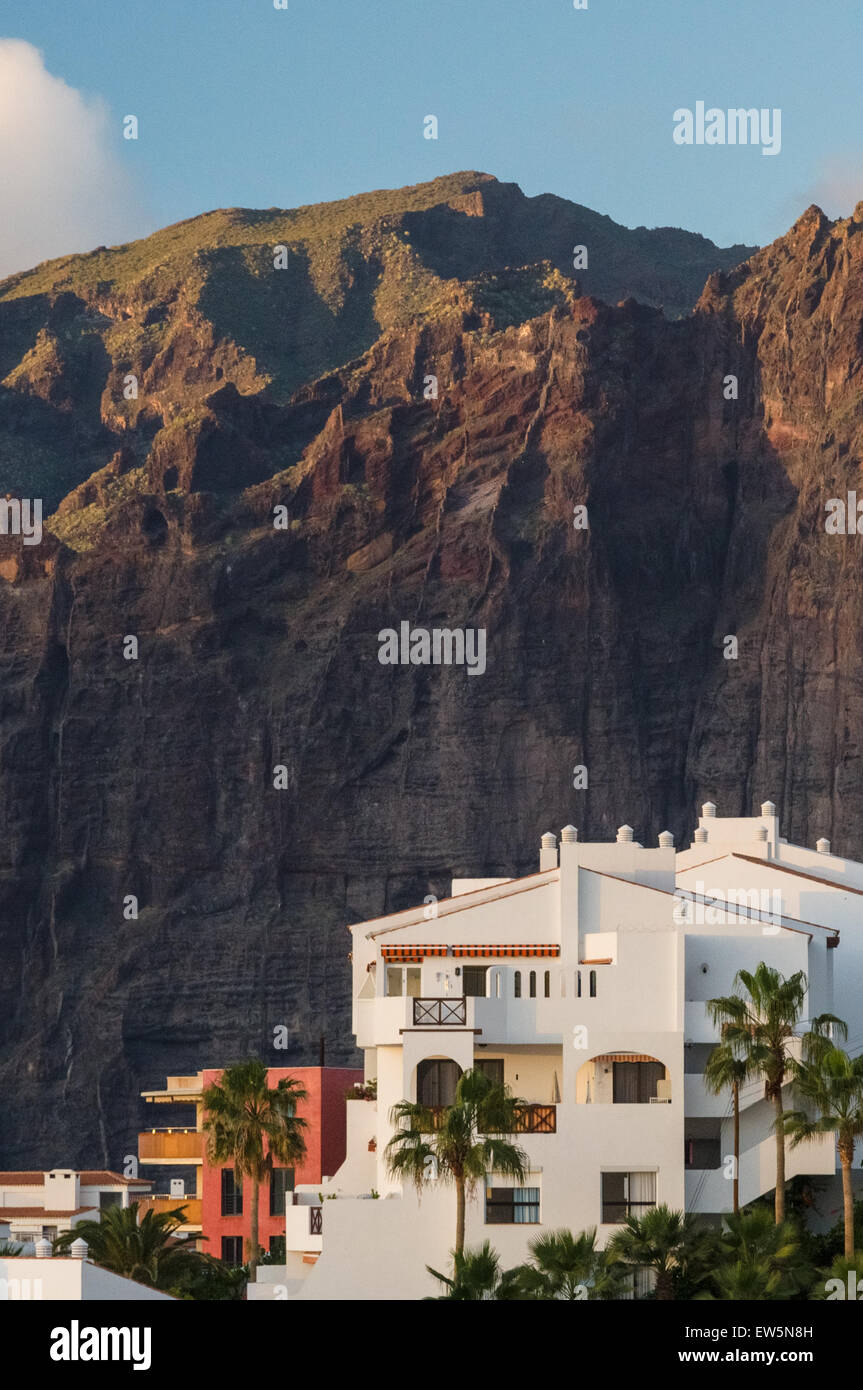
(473, 981)
(578, 984)
(626, 1194)
(437, 1078)
(593, 984)
(281, 1183)
(512, 1206)
(546, 984)
(232, 1250)
(404, 980)
(702, 1153)
(492, 1067)
(110, 1199)
(516, 981)
(635, 1083)
(532, 978)
(277, 1249)
(232, 1195)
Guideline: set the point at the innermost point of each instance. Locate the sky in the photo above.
(242, 104)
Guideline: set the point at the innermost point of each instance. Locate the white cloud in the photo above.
(839, 188)
(63, 186)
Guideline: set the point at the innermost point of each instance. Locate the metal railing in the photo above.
(315, 1221)
(440, 1013)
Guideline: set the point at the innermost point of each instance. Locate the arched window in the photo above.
(593, 984)
(532, 978)
(516, 981)
(578, 984)
(547, 984)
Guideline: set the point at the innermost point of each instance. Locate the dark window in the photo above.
(626, 1194)
(635, 1082)
(546, 985)
(492, 1067)
(578, 983)
(473, 981)
(517, 984)
(593, 984)
(232, 1195)
(232, 1250)
(437, 1078)
(110, 1199)
(511, 1206)
(702, 1153)
(532, 979)
(281, 1183)
(277, 1249)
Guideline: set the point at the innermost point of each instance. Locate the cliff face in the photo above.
(306, 389)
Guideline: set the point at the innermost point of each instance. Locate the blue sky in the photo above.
(242, 104)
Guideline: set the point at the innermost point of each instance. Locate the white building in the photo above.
(583, 986)
(70, 1278)
(35, 1205)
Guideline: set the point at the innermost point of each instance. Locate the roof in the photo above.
(508, 888)
(11, 1213)
(90, 1177)
(798, 873)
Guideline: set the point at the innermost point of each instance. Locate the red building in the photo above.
(220, 1211)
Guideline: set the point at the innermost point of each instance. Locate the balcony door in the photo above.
(437, 1078)
(635, 1082)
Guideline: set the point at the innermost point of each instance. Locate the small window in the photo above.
(492, 1067)
(626, 1194)
(593, 984)
(232, 1250)
(533, 984)
(578, 984)
(516, 983)
(413, 986)
(281, 1183)
(394, 981)
(110, 1199)
(546, 985)
(232, 1195)
(473, 981)
(512, 1206)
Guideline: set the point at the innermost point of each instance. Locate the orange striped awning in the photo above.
(410, 951)
(507, 949)
(625, 1057)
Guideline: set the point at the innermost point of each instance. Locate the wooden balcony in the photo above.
(170, 1145)
(529, 1119)
(440, 1013)
(191, 1207)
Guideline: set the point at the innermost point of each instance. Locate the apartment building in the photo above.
(36, 1205)
(583, 987)
(217, 1207)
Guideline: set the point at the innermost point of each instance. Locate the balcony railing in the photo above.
(191, 1207)
(529, 1119)
(440, 1013)
(316, 1221)
(171, 1144)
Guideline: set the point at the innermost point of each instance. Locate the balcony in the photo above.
(304, 1229)
(170, 1145)
(160, 1204)
(440, 1012)
(529, 1119)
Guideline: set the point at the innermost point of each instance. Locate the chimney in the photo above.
(625, 835)
(44, 1249)
(700, 837)
(761, 833)
(548, 852)
(568, 835)
(708, 809)
(78, 1249)
(666, 840)
(768, 808)
(822, 846)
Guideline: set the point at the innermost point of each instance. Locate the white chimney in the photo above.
(547, 852)
(708, 809)
(761, 833)
(78, 1249)
(548, 841)
(44, 1249)
(700, 836)
(666, 840)
(625, 834)
(568, 835)
(822, 846)
(768, 808)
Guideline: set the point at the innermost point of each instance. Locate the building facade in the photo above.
(584, 988)
(36, 1205)
(219, 1209)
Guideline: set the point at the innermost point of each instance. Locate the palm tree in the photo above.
(149, 1251)
(462, 1145)
(477, 1277)
(842, 1280)
(726, 1070)
(760, 1261)
(563, 1266)
(830, 1082)
(249, 1123)
(668, 1242)
(758, 1023)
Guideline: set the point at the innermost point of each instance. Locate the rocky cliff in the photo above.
(253, 470)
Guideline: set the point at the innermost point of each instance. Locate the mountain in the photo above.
(308, 389)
